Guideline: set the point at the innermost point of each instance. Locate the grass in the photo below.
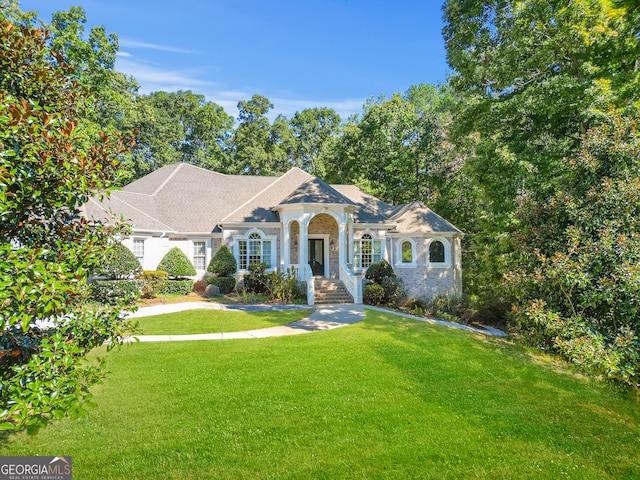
(385, 398)
(215, 321)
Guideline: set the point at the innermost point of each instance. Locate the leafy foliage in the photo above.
(120, 263)
(223, 263)
(176, 264)
(178, 287)
(113, 292)
(373, 294)
(153, 282)
(50, 164)
(225, 284)
(577, 282)
(255, 280)
(381, 274)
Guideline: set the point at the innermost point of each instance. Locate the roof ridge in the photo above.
(265, 189)
(313, 179)
(166, 180)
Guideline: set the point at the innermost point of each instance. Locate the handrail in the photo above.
(352, 282)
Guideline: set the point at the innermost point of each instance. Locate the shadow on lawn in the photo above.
(506, 393)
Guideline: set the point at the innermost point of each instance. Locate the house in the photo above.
(295, 220)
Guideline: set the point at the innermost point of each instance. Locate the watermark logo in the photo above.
(35, 468)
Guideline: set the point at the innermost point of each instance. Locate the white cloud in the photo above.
(152, 79)
(124, 42)
(123, 54)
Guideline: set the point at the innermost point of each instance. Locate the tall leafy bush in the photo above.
(176, 264)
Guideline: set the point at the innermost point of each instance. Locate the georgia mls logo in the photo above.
(35, 468)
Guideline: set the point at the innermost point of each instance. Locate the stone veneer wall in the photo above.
(424, 281)
(325, 224)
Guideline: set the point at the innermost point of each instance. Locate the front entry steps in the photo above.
(329, 290)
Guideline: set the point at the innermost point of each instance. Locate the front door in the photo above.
(316, 256)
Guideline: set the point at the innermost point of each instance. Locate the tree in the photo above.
(176, 264)
(121, 263)
(314, 129)
(257, 147)
(534, 76)
(181, 127)
(223, 263)
(49, 167)
(577, 276)
(397, 149)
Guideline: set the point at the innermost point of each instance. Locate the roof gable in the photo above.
(316, 191)
(417, 217)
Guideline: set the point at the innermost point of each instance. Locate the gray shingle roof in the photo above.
(417, 217)
(260, 207)
(316, 191)
(179, 197)
(184, 198)
(370, 209)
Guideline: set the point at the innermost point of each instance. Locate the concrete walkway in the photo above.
(325, 317)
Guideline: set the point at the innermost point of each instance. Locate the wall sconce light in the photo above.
(295, 244)
(332, 244)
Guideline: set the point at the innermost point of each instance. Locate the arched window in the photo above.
(406, 251)
(369, 251)
(437, 252)
(253, 250)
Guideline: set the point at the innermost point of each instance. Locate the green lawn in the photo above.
(385, 398)
(215, 321)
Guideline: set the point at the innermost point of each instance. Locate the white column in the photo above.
(342, 243)
(303, 247)
(351, 244)
(286, 245)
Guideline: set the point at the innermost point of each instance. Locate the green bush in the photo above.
(110, 292)
(178, 287)
(223, 263)
(176, 264)
(283, 286)
(225, 284)
(394, 291)
(256, 280)
(379, 270)
(153, 282)
(373, 294)
(121, 263)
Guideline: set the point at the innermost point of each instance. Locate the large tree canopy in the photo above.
(49, 167)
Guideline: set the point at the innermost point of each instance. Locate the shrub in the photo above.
(111, 292)
(394, 290)
(283, 286)
(377, 271)
(223, 263)
(153, 282)
(256, 280)
(225, 284)
(178, 287)
(176, 264)
(373, 294)
(120, 263)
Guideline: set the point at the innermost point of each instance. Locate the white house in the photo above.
(332, 231)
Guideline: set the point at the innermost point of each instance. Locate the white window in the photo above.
(138, 249)
(254, 249)
(368, 250)
(439, 252)
(200, 255)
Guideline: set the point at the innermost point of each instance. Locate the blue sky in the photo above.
(298, 53)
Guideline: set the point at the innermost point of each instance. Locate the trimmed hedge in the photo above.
(178, 287)
(223, 263)
(120, 263)
(377, 271)
(176, 264)
(110, 292)
(153, 282)
(225, 284)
